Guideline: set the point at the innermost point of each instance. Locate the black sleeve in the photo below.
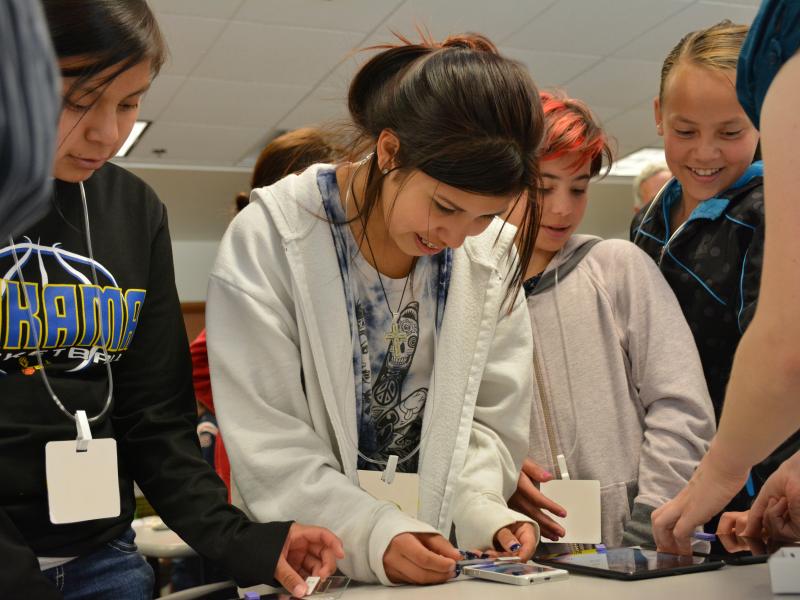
(20, 576)
(155, 421)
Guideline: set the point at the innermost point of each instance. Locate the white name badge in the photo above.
(581, 499)
(403, 491)
(82, 486)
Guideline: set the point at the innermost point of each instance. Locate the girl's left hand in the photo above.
(518, 539)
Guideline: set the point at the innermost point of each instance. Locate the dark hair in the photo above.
(107, 33)
(289, 153)
(573, 129)
(463, 114)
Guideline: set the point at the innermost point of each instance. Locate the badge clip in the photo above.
(388, 473)
(562, 466)
(84, 433)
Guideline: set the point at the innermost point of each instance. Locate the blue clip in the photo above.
(750, 486)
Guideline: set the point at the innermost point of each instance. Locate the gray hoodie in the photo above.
(619, 386)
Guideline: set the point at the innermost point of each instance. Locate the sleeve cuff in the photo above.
(639, 530)
(252, 556)
(479, 520)
(393, 524)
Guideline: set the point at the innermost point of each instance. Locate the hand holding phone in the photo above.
(420, 558)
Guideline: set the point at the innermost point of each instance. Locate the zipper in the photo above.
(546, 412)
(665, 247)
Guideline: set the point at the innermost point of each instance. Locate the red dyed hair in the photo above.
(570, 127)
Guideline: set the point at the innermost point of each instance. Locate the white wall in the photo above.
(200, 206)
(193, 262)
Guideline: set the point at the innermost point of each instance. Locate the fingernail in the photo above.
(299, 590)
(515, 546)
(548, 474)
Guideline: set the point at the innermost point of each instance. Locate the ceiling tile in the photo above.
(616, 83)
(232, 103)
(754, 3)
(657, 42)
(159, 95)
(342, 15)
(214, 9)
(322, 107)
(604, 113)
(445, 17)
(284, 55)
(341, 76)
(592, 26)
(188, 38)
(633, 128)
(551, 68)
(195, 144)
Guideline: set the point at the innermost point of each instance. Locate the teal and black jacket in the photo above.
(713, 264)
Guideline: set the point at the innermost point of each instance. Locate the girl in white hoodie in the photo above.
(619, 387)
(369, 314)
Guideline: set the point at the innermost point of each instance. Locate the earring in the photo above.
(384, 171)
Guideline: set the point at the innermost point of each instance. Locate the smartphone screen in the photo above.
(515, 568)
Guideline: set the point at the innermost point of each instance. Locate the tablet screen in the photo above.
(627, 561)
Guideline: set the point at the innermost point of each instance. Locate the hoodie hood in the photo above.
(565, 260)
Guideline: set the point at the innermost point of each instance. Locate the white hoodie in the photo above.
(610, 337)
(280, 354)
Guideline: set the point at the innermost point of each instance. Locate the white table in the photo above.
(748, 582)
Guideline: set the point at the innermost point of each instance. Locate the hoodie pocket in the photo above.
(616, 502)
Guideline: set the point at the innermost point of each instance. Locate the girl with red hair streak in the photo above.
(619, 388)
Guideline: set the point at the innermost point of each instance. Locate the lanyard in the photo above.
(96, 302)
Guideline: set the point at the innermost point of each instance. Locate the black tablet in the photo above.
(630, 563)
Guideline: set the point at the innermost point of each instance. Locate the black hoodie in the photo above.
(153, 417)
(713, 264)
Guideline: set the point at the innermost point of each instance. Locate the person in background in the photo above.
(91, 322)
(705, 230)
(365, 319)
(291, 152)
(761, 408)
(29, 108)
(619, 387)
(648, 183)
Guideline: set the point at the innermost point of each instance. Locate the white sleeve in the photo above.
(280, 446)
(499, 438)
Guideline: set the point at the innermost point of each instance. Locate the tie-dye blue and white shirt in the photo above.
(393, 371)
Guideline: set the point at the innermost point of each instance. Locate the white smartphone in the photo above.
(516, 573)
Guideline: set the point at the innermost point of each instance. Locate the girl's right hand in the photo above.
(420, 558)
(307, 551)
(528, 500)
